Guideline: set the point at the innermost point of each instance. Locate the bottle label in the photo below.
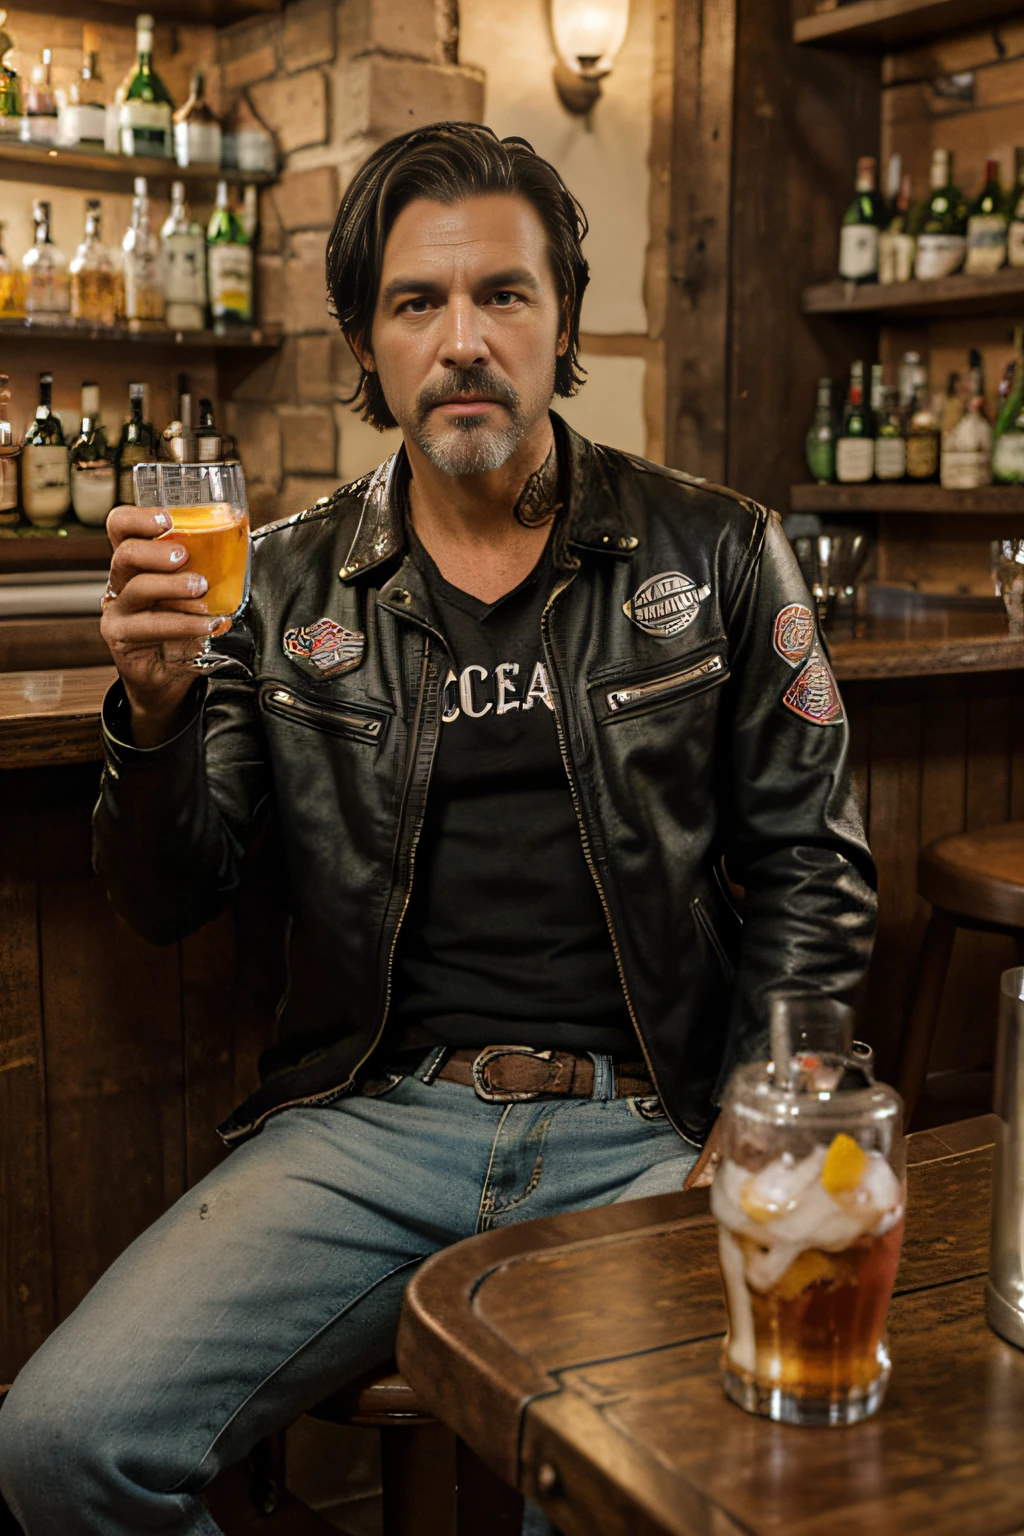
(45, 482)
(904, 248)
(82, 125)
(922, 456)
(185, 256)
(858, 252)
(231, 282)
(855, 460)
(890, 458)
(1008, 457)
(986, 243)
(1015, 245)
(145, 128)
(8, 485)
(197, 143)
(965, 469)
(143, 290)
(939, 255)
(92, 492)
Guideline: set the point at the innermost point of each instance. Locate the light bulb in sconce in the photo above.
(587, 35)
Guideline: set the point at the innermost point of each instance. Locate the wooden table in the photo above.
(578, 1356)
(52, 717)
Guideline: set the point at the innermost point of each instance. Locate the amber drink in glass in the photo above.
(810, 1200)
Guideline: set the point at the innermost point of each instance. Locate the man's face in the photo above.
(467, 328)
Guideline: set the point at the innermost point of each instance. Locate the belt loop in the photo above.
(604, 1075)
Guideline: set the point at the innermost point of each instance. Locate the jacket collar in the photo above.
(596, 517)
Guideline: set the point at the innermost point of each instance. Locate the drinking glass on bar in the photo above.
(809, 1198)
(210, 517)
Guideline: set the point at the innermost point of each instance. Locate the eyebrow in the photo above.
(511, 277)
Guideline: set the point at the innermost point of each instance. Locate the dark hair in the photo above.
(447, 162)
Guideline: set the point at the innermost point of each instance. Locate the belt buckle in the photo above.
(502, 1095)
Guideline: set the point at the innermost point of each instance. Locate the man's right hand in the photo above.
(154, 620)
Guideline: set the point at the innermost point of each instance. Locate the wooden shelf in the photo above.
(958, 295)
(218, 13)
(906, 498)
(96, 171)
(69, 548)
(244, 340)
(876, 26)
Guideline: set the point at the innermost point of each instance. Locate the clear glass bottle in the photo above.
(246, 144)
(855, 449)
(184, 254)
(922, 438)
(229, 265)
(890, 439)
(40, 122)
(967, 447)
(12, 285)
(139, 444)
(45, 463)
(942, 240)
(197, 132)
(143, 265)
(95, 280)
(45, 270)
(1008, 432)
(862, 224)
(11, 107)
(821, 438)
(83, 117)
(987, 226)
(10, 452)
(208, 438)
(93, 470)
(147, 109)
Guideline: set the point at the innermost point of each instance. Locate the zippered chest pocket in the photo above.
(354, 721)
(614, 698)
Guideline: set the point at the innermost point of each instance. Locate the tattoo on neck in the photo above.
(537, 500)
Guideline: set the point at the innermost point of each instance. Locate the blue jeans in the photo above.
(280, 1276)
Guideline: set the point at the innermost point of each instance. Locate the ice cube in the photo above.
(779, 1187)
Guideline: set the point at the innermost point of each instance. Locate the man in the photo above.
(512, 703)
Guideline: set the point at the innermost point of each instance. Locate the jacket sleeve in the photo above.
(795, 840)
(173, 823)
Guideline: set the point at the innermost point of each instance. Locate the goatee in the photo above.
(468, 445)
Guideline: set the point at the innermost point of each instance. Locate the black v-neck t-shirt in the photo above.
(505, 939)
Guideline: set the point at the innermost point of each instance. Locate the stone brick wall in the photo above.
(331, 79)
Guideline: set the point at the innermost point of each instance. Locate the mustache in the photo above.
(466, 381)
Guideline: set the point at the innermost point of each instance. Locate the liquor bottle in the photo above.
(197, 133)
(912, 374)
(1008, 432)
(246, 145)
(95, 280)
(250, 214)
(45, 466)
(93, 473)
(178, 439)
(208, 439)
(1015, 203)
(967, 447)
(83, 117)
(862, 222)
(143, 265)
(890, 439)
(954, 404)
(12, 285)
(138, 445)
(855, 449)
(184, 254)
(821, 438)
(987, 226)
(942, 240)
(229, 265)
(39, 124)
(922, 438)
(45, 270)
(145, 116)
(10, 87)
(9, 454)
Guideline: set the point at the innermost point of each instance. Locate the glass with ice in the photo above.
(810, 1198)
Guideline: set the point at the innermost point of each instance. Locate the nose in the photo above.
(462, 342)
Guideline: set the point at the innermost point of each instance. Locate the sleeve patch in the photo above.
(813, 694)
(794, 632)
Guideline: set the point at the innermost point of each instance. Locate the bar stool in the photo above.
(973, 880)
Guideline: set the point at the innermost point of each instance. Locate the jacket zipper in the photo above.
(587, 852)
(703, 917)
(621, 698)
(278, 701)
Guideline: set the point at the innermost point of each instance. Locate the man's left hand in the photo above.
(703, 1170)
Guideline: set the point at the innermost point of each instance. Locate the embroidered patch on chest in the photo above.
(330, 647)
(813, 694)
(794, 632)
(666, 604)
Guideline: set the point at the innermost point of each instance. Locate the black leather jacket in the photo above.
(697, 719)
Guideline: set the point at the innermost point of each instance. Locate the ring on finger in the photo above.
(108, 595)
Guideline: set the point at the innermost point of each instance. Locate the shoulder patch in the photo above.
(793, 635)
(813, 694)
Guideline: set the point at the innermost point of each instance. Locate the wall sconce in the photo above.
(587, 36)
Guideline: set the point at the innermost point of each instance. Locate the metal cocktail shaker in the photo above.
(1004, 1294)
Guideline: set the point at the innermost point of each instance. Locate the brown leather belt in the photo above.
(508, 1074)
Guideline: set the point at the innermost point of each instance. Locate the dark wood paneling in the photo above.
(881, 24)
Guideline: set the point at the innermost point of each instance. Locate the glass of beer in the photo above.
(809, 1198)
(210, 517)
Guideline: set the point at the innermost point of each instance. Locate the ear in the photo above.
(562, 345)
(362, 355)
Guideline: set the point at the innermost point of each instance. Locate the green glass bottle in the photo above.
(942, 239)
(139, 445)
(890, 439)
(146, 111)
(987, 225)
(855, 450)
(10, 83)
(820, 443)
(1008, 432)
(45, 464)
(862, 223)
(229, 265)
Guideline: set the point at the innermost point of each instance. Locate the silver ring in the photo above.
(108, 595)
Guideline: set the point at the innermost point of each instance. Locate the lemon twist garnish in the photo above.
(844, 1165)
